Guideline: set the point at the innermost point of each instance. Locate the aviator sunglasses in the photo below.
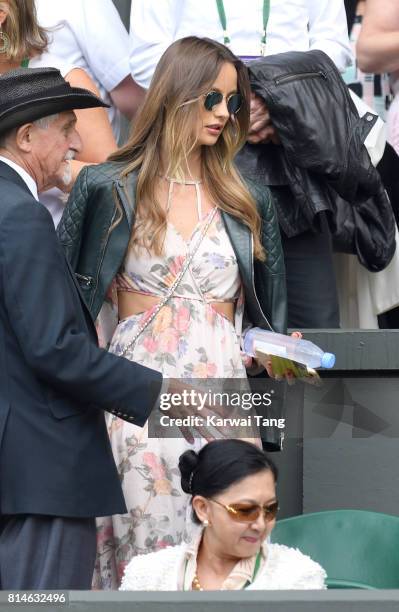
(233, 102)
(243, 513)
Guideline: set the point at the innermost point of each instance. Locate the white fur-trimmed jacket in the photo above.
(284, 568)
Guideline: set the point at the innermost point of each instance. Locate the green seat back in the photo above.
(357, 548)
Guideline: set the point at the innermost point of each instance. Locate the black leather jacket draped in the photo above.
(322, 163)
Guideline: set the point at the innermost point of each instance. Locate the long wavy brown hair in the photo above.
(26, 36)
(165, 128)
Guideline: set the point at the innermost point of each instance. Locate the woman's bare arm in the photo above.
(93, 126)
(378, 45)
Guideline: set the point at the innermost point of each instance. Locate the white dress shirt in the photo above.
(49, 60)
(294, 25)
(28, 180)
(89, 34)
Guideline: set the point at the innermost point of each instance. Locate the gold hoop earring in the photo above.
(4, 41)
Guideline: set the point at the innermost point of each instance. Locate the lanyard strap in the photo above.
(223, 22)
(25, 62)
(256, 569)
(266, 15)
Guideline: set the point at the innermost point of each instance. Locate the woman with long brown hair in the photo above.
(24, 43)
(169, 240)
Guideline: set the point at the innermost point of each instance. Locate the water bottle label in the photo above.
(270, 349)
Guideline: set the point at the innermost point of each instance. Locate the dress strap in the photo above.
(199, 201)
(197, 193)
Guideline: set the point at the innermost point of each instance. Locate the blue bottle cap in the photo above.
(328, 360)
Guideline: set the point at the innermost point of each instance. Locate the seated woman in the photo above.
(232, 484)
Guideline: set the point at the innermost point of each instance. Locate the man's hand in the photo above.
(260, 125)
(182, 411)
(197, 409)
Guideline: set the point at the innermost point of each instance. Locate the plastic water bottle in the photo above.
(302, 351)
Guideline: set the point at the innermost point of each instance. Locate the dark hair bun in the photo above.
(188, 462)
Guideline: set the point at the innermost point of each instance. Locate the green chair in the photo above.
(358, 549)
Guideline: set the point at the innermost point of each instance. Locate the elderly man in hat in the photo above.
(56, 467)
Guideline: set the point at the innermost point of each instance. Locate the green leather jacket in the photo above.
(96, 253)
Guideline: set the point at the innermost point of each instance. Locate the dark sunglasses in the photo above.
(213, 98)
(243, 513)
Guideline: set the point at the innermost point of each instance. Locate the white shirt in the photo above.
(27, 179)
(89, 34)
(49, 60)
(294, 25)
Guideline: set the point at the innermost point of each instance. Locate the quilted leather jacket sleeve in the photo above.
(70, 228)
(269, 275)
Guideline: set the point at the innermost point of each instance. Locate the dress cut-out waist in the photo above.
(132, 302)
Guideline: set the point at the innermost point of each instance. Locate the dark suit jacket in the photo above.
(55, 456)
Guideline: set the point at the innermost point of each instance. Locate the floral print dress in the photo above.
(188, 338)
